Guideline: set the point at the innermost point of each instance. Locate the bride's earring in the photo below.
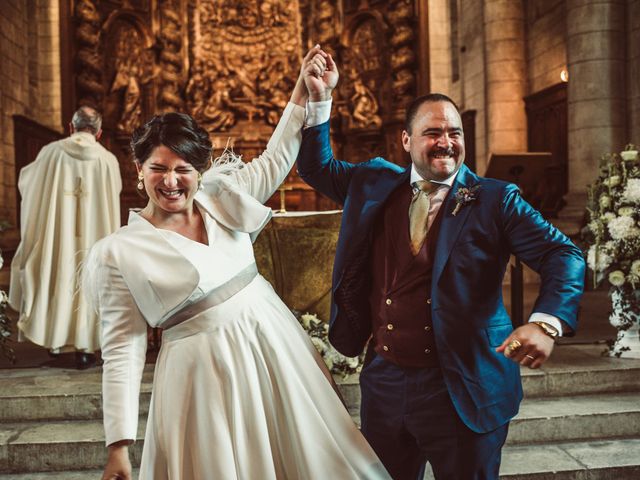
(140, 181)
(199, 181)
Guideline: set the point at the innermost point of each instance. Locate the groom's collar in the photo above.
(415, 177)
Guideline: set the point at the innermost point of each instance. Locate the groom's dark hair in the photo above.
(413, 107)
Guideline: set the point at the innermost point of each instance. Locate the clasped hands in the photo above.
(318, 77)
(527, 345)
(320, 74)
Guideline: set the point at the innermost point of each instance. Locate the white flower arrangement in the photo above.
(612, 234)
(318, 330)
(632, 191)
(598, 258)
(5, 326)
(622, 227)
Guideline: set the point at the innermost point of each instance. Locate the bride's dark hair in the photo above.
(179, 133)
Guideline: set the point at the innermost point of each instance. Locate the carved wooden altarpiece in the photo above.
(232, 65)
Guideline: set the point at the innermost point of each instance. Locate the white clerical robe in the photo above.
(70, 200)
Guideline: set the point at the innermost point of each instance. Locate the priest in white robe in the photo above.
(70, 200)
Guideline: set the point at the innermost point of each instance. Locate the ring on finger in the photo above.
(530, 357)
(512, 346)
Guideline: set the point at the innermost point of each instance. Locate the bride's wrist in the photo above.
(118, 446)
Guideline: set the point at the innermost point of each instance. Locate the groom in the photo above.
(418, 274)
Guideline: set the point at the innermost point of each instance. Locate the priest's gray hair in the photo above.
(87, 119)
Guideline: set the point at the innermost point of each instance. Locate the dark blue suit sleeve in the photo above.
(318, 168)
(547, 251)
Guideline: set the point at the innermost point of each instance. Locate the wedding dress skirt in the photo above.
(240, 393)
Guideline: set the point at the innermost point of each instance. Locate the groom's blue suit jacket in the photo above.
(472, 251)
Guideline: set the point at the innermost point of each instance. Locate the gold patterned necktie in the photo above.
(419, 214)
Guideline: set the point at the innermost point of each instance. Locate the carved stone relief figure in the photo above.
(196, 90)
(217, 116)
(245, 60)
(88, 62)
(362, 58)
(366, 46)
(365, 106)
(132, 70)
(400, 15)
(326, 25)
(273, 12)
(170, 60)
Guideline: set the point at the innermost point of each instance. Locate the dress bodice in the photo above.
(227, 253)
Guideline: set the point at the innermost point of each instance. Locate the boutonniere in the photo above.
(463, 197)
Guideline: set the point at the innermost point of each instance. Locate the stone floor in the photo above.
(580, 419)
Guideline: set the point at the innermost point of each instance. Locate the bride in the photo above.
(239, 391)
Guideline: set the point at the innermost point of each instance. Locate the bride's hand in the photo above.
(300, 93)
(118, 464)
(320, 75)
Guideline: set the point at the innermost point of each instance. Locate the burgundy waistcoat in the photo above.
(401, 286)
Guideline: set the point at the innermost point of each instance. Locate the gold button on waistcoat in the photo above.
(389, 326)
(385, 348)
(427, 351)
(388, 301)
(428, 301)
(427, 328)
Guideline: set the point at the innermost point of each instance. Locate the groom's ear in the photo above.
(406, 141)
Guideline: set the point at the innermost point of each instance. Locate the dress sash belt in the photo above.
(215, 297)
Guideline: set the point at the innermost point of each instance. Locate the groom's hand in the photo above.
(535, 346)
(320, 76)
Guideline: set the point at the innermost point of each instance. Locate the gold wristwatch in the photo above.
(548, 329)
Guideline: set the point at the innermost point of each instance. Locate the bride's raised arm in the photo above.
(265, 173)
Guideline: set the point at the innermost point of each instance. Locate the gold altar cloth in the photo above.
(295, 253)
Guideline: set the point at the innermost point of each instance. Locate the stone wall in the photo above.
(440, 48)
(546, 43)
(29, 80)
(597, 98)
(505, 68)
(472, 72)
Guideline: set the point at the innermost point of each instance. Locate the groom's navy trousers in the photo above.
(408, 418)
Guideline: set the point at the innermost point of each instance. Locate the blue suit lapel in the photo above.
(452, 224)
(376, 194)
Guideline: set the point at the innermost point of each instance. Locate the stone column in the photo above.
(596, 91)
(633, 71)
(505, 77)
(440, 46)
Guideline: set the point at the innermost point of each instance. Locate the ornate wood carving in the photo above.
(88, 62)
(326, 25)
(131, 65)
(403, 56)
(171, 59)
(246, 56)
(232, 64)
(363, 73)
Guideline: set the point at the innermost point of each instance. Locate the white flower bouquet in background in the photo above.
(5, 325)
(612, 235)
(318, 330)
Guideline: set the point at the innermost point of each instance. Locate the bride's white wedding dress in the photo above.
(239, 391)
